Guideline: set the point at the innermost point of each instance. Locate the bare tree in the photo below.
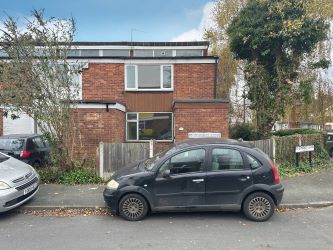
(39, 80)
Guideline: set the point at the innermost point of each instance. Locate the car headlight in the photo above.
(3, 185)
(112, 184)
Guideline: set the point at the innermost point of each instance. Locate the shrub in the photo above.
(294, 131)
(287, 169)
(79, 173)
(243, 130)
(80, 177)
(49, 174)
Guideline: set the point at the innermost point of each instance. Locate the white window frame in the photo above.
(137, 126)
(136, 88)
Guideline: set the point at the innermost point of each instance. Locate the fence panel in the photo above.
(114, 156)
(267, 146)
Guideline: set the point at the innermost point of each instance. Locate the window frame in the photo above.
(136, 78)
(137, 126)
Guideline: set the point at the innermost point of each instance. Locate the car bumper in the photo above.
(277, 190)
(111, 198)
(11, 198)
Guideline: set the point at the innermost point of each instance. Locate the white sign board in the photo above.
(307, 148)
(203, 135)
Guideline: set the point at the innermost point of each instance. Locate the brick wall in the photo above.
(95, 126)
(201, 117)
(102, 81)
(192, 81)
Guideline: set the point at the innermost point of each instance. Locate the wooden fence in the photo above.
(113, 156)
(267, 146)
(282, 149)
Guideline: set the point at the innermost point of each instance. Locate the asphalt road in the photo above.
(300, 229)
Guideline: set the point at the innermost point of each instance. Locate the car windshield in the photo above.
(11, 144)
(150, 163)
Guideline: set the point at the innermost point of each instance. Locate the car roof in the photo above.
(209, 141)
(18, 136)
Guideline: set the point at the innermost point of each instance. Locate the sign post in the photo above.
(302, 149)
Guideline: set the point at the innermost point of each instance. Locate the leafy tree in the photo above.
(37, 79)
(274, 37)
(223, 13)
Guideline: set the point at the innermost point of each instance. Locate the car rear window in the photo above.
(11, 144)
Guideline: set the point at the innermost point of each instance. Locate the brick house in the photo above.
(138, 91)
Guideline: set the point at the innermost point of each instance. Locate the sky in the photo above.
(113, 20)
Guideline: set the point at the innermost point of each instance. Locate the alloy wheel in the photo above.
(259, 207)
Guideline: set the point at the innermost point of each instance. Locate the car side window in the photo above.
(185, 162)
(226, 159)
(38, 142)
(254, 163)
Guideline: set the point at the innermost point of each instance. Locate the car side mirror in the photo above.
(166, 174)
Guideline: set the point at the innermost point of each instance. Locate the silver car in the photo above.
(19, 182)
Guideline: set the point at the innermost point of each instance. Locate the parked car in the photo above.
(329, 143)
(29, 148)
(19, 182)
(198, 175)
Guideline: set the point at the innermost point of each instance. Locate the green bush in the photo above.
(50, 175)
(243, 130)
(78, 173)
(294, 131)
(80, 177)
(287, 169)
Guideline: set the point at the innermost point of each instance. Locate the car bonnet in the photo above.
(11, 169)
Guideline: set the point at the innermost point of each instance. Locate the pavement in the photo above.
(311, 190)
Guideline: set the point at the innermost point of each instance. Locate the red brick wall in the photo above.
(192, 81)
(98, 125)
(102, 81)
(200, 117)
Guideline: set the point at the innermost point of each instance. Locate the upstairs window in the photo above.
(145, 77)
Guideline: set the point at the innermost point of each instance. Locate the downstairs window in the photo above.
(149, 126)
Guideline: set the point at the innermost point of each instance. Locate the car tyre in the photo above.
(258, 207)
(133, 207)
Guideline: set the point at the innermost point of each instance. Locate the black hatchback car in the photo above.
(198, 175)
(29, 148)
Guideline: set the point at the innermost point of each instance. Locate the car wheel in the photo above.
(133, 207)
(258, 207)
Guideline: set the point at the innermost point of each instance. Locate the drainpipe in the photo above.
(215, 79)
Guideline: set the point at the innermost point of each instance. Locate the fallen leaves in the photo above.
(65, 212)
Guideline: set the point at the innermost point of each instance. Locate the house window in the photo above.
(116, 52)
(144, 53)
(89, 52)
(188, 52)
(149, 126)
(149, 77)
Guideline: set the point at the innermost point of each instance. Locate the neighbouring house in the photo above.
(138, 91)
(302, 124)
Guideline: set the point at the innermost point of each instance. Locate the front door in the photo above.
(227, 177)
(180, 181)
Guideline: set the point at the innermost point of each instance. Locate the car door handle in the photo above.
(244, 178)
(198, 180)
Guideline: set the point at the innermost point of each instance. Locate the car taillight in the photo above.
(24, 154)
(275, 173)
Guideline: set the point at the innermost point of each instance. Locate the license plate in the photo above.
(29, 189)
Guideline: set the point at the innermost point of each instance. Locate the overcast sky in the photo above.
(110, 20)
